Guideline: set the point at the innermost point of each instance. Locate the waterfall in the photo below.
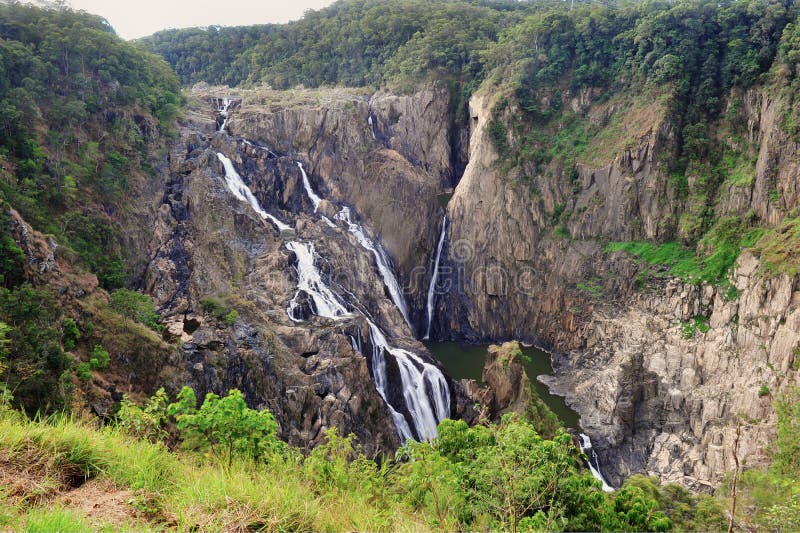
(381, 259)
(242, 192)
(425, 389)
(309, 281)
(594, 463)
(311, 194)
(223, 111)
(434, 277)
(371, 124)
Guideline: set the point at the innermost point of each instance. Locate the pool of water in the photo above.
(465, 361)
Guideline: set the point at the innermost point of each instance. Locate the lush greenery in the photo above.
(81, 114)
(352, 42)
(710, 262)
(82, 117)
(492, 477)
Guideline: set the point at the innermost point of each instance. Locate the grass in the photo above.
(780, 249)
(173, 490)
(711, 262)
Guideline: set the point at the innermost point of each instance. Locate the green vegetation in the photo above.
(779, 248)
(496, 477)
(712, 261)
(221, 309)
(769, 497)
(135, 306)
(352, 43)
(225, 425)
(699, 323)
(83, 113)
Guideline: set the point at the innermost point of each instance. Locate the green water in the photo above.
(444, 199)
(465, 361)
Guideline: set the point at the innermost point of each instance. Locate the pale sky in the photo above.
(137, 18)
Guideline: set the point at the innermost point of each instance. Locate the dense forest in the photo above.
(84, 116)
(85, 122)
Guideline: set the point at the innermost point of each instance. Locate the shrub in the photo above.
(99, 358)
(763, 391)
(225, 425)
(70, 334)
(135, 306)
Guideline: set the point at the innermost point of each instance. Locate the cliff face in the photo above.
(386, 156)
(211, 251)
(651, 399)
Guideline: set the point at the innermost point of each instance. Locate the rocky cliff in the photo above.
(519, 262)
(651, 399)
(213, 254)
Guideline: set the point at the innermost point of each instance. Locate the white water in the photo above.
(311, 194)
(241, 191)
(309, 281)
(259, 147)
(381, 259)
(425, 390)
(594, 464)
(371, 126)
(434, 277)
(223, 111)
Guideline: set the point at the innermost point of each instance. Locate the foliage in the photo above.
(689, 328)
(12, 258)
(99, 358)
(135, 306)
(147, 421)
(225, 425)
(713, 259)
(69, 334)
(37, 368)
(82, 111)
(352, 42)
(220, 309)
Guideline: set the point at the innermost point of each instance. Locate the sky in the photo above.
(137, 18)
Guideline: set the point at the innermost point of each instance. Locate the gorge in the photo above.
(431, 252)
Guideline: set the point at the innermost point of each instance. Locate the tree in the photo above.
(135, 306)
(225, 425)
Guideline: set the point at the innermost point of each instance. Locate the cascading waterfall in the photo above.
(594, 464)
(434, 277)
(223, 111)
(242, 192)
(425, 390)
(371, 126)
(309, 281)
(381, 259)
(307, 184)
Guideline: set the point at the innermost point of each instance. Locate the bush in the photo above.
(220, 309)
(99, 358)
(225, 425)
(70, 334)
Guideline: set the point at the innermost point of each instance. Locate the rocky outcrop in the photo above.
(507, 385)
(660, 402)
